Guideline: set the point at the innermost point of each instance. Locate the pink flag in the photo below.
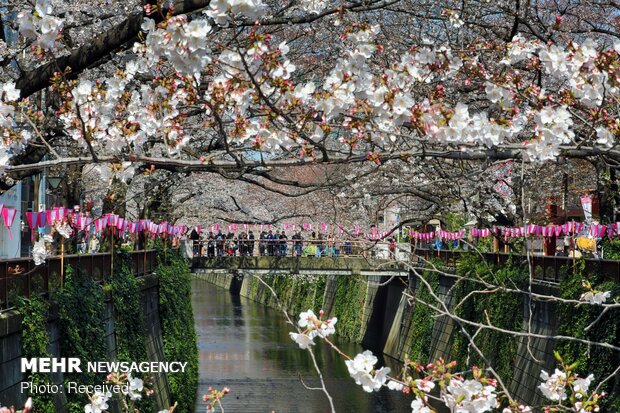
(41, 219)
(100, 224)
(52, 216)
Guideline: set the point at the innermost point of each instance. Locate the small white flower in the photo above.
(553, 387)
(424, 385)
(418, 406)
(595, 297)
(581, 385)
(10, 92)
(303, 340)
(98, 403)
(307, 319)
(394, 385)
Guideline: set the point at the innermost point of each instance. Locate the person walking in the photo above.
(392, 248)
(270, 243)
(195, 237)
(231, 244)
(297, 244)
(220, 242)
(319, 245)
(251, 243)
(283, 246)
(262, 244)
(210, 245)
(243, 244)
(93, 245)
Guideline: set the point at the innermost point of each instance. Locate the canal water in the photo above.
(245, 346)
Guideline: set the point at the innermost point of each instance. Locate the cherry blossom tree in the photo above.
(411, 99)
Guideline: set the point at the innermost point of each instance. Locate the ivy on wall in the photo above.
(124, 292)
(611, 249)
(178, 331)
(35, 343)
(580, 322)
(81, 306)
(423, 318)
(503, 309)
(81, 312)
(348, 306)
(294, 293)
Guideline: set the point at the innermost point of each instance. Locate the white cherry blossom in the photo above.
(98, 403)
(303, 340)
(554, 386)
(595, 297)
(418, 406)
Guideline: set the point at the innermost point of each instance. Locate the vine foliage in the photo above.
(583, 322)
(81, 317)
(179, 335)
(36, 343)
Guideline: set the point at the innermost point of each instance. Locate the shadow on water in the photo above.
(237, 308)
(245, 346)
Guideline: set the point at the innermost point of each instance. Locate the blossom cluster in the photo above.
(593, 296)
(214, 398)
(362, 370)
(472, 392)
(13, 140)
(41, 26)
(312, 326)
(253, 98)
(133, 389)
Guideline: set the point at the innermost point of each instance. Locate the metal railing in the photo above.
(544, 268)
(20, 277)
(291, 248)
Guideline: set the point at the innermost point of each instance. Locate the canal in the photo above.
(245, 346)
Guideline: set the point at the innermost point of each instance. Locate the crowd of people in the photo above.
(268, 243)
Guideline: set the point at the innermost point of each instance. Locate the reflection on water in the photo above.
(245, 346)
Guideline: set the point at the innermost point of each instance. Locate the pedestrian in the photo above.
(319, 245)
(93, 246)
(392, 248)
(270, 243)
(230, 244)
(297, 243)
(348, 248)
(283, 240)
(195, 237)
(210, 245)
(241, 244)
(220, 243)
(262, 244)
(82, 245)
(251, 243)
(311, 247)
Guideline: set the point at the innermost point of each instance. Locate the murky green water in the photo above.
(245, 346)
